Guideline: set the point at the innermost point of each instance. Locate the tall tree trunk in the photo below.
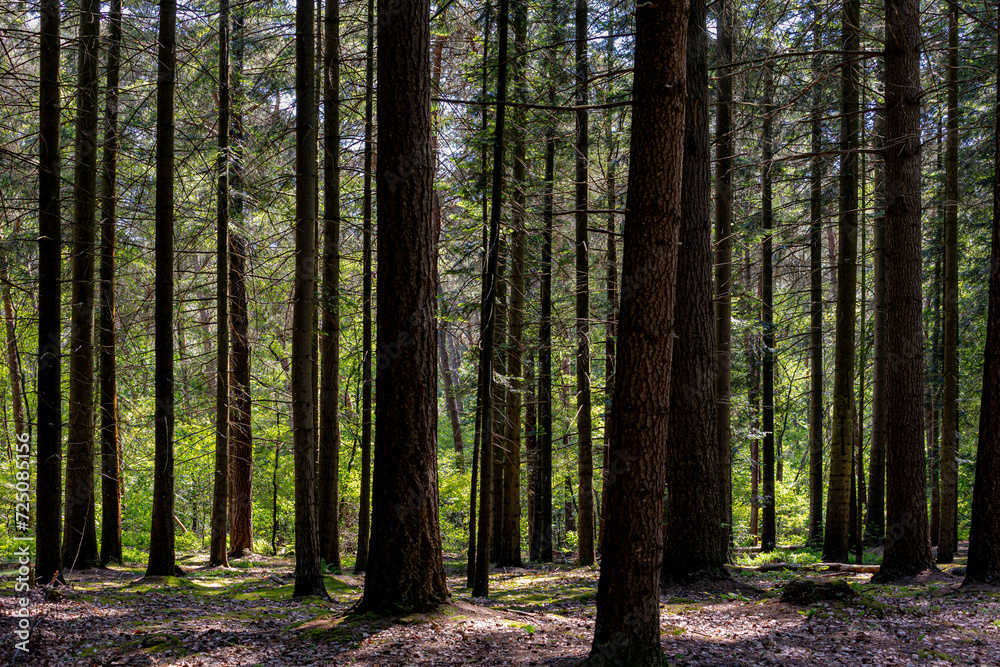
(816, 298)
(627, 628)
(933, 392)
(48, 506)
(240, 436)
(111, 493)
(488, 322)
(499, 391)
(949, 408)
(768, 538)
(405, 566)
(695, 531)
(907, 548)
(611, 272)
(510, 545)
(364, 511)
(584, 436)
(984, 535)
(161, 546)
(473, 555)
(838, 508)
(308, 575)
(875, 521)
(724, 156)
(220, 494)
(80, 550)
(541, 540)
(329, 428)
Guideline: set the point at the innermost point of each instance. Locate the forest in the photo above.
(510, 332)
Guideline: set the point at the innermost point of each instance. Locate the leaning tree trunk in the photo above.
(725, 162)
(48, 506)
(816, 300)
(329, 425)
(768, 533)
(907, 547)
(80, 528)
(838, 506)
(240, 436)
(627, 628)
(984, 536)
(405, 565)
(584, 435)
(308, 575)
(949, 406)
(695, 531)
(161, 542)
(220, 488)
(364, 509)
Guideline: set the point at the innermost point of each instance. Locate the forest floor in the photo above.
(535, 616)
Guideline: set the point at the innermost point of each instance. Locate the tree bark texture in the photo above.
(695, 530)
(405, 567)
(240, 436)
(627, 628)
(907, 548)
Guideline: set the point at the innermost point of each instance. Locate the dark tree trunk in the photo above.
(240, 436)
(161, 544)
(695, 531)
(627, 628)
(584, 435)
(499, 392)
(984, 535)
(488, 324)
(541, 539)
(405, 567)
(768, 533)
(875, 521)
(907, 548)
(111, 493)
(932, 388)
(611, 270)
(48, 506)
(308, 575)
(473, 554)
(364, 511)
(220, 488)
(510, 544)
(949, 407)
(80, 529)
(329, 428)
(816, 300)
(724, 156)
(838, 506)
